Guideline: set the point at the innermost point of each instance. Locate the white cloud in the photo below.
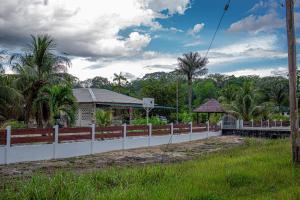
(87, 28)
(263, 4)
(255, 48)
(256, 24)
(196, 29)
(194, 43)
(259, 47)
(262, 72)
(150, 62)
(174, 6)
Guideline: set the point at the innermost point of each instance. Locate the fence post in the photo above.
(281, 123)
(150, 134)
(207, 125)
(237, 124)
(252, 123)
(93, 138)
(241, 123)
(8, 143)
(55, 140)
(124, 137)
(172, 132)
(275, 122)
(191, 131)
(261, 123)
(268, 123)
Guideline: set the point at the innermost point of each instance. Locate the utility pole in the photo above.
(293, 81)
(177, 99)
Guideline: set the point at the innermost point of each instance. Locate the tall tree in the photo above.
(37, 67)
(192, 65)
(120, 79)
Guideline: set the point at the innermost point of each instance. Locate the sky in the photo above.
(136, 37)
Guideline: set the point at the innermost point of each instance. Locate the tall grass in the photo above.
(259, 170)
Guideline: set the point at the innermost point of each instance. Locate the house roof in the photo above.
(211, 106)
(94, 95)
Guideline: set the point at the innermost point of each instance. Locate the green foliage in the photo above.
(185, 117)
(57, 101)
(203, 90)
(260, 169)
(14, 124)
(245, 104)
(38, 66)
(152, 120)
(103, 118)
(279, 117)
(215, 118)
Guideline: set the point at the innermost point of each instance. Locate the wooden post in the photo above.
(292, 81)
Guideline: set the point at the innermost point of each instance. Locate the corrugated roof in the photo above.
(211, 106)
(94, 95)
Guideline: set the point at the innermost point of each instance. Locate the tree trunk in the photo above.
(39, 116)
(293, 81)
(190, 85)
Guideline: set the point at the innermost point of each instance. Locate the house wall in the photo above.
(84, 114)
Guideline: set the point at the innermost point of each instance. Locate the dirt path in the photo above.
(159, 154)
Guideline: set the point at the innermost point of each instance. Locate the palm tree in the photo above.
(228, 94)
(192, 65)
(57, 100)
(244, 106)
(37, 67)
(120, 79)
(10, 98)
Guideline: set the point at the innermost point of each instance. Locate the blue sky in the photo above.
(143, 36)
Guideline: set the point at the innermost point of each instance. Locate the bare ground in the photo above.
(160, 154)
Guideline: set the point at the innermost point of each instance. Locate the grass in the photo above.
(261, 169)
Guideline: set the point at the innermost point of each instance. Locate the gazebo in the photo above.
(210, 106)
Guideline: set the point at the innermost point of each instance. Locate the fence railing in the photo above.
(266, 123)
(50, 135)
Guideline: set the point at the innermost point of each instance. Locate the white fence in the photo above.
(33, 152)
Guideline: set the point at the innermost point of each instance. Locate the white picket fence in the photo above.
(34, 152)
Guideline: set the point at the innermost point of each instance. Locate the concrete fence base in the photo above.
(34, 152)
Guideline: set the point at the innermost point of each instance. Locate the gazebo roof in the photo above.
(211, 106)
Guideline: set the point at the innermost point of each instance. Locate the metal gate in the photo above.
(229, 122)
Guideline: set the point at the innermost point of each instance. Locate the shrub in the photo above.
(103, 118)
(14, 124)
(280, 117)
(152, 120)
(185, 117)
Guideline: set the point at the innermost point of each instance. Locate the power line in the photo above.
(226, 7)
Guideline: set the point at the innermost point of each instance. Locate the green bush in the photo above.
(14, 124)
(152, 120)
(185, 117)
(103, 118)
(279, 117)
